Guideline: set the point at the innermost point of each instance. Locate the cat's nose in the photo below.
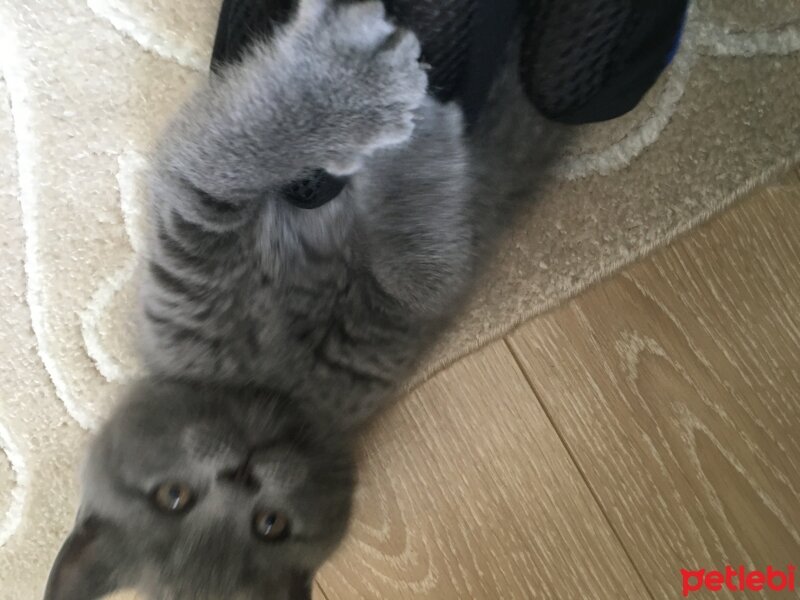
(241, 476)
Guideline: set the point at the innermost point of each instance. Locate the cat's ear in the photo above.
(84, 568)
(300, 586)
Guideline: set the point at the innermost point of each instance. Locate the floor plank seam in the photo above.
(321, 590)
(574, 460)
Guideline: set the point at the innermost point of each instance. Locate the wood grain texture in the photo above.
(467, 493)
(676, 387)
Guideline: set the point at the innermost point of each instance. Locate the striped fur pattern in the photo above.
(272, 333)
(331, 306)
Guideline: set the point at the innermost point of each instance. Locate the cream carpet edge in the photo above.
(436, 364)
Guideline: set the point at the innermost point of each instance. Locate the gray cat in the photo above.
(273, 334)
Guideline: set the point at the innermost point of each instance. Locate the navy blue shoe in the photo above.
(242, 21)
(585, 61)
(582, 61)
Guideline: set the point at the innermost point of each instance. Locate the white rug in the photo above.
(86, 84)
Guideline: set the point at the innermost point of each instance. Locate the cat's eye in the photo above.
(270, 525)
(173, 497)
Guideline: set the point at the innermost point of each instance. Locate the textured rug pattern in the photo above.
(85, 85)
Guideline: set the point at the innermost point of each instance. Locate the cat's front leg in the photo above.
(332, 87)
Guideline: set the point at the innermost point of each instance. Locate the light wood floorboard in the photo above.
(676, 388)
(468, 492)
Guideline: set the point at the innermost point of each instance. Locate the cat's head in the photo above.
(201, 493)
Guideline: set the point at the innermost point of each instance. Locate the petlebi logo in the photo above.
(740, 579)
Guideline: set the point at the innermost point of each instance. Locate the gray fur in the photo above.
(331, 306)
(272, 334)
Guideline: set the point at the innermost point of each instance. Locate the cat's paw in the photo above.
(371, 77)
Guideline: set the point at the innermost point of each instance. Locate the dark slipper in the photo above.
(582, 61)
(585, 61)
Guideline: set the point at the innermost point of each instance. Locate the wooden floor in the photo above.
(650, 425)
